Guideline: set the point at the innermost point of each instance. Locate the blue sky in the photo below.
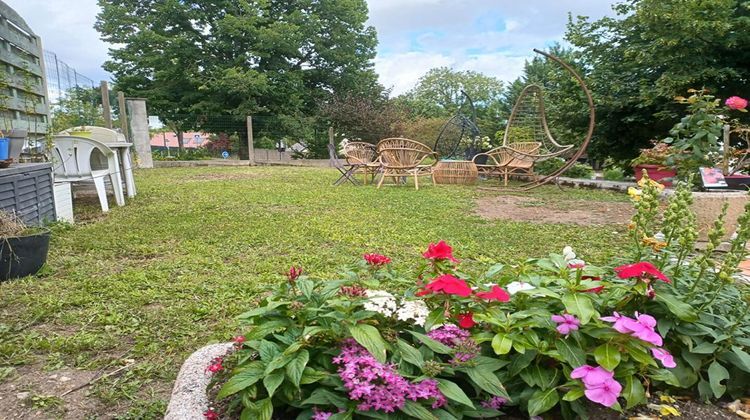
(490, 36)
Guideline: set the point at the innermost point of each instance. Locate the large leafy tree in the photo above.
(656, 50)
(195, 60)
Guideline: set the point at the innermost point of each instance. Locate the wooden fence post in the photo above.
(250, 141)
(105, 104)
(123, 115)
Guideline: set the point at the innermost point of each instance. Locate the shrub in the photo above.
(614, 173)
(578, 170)
(187, 154)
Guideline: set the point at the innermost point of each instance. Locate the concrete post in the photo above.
(139, 129)
(123, 115)
(250, 141)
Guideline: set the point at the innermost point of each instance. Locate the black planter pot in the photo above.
(22, 256)
(737, 182)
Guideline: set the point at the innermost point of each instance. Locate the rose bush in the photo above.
(549, 333)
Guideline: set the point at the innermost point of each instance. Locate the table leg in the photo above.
(128, 171)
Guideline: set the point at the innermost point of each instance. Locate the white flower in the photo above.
(568, 253)
(380, 301)
(659, 236)
(415, 310)
(518, 286)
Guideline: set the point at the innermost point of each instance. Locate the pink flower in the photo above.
(466, 320)
(664, 357)
(210, 414)
(215, 365)
(293, 274)
(376, 260)
(619, 321)
(737, 103)
(605, 393)
(643, 328)
(591, 376)
(576, 264)
(496, 293)
(641, 270)
(239, 340)
(566, 323)
(447, 284)
(439, 251)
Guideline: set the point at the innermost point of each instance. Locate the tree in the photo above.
(193, 59)
(655, 51)
(79, 106)
(438, 94)
(366, 118)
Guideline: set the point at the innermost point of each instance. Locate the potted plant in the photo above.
(654, 162)
(23, 249)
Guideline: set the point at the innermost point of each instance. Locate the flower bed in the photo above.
(553, 333)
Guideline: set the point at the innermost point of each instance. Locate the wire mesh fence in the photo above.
(62, 78)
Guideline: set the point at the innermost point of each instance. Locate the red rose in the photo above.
(496, 293)
(640, 270)
(447, 284)
(439, 251)
(376, 260)
(466, 320)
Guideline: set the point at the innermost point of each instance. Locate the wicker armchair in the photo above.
(362, 158)
(504, 161)
(401, 157)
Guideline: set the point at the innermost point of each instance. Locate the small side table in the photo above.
(462, 172)
(122, 153)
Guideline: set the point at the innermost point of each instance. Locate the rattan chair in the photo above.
(401, 157)
(505, 161)
(362, 157)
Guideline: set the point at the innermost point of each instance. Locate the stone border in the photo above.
(189, 396)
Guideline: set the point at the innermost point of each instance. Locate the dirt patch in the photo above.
(30, 393)
(578, 212)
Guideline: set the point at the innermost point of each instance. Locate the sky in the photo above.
(494, 37)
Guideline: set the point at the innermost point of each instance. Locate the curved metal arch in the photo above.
(464, 123)
(536, 90)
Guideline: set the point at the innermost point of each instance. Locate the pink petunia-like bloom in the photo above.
(643, 269)
(447, 284)
(566, 323)
(376, 260)
(619, 322)
(643, 328)
(605, 393)
(439, 251)
(592, 375)
(495, 293)
(664, 357)
(736, 103)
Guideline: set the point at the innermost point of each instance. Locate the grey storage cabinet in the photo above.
(26, 189)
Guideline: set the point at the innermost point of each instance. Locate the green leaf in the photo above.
(261, 311)
(262, 330)
(502, 343)
(494, 270)
(571, 352)
(409, 353)
(267, 350)
(716, 374)
(305, 286)
(369, 337)
(520, 362)
(322, 396)
(542, 401)
(296, 367)
(436, 317)
(417, 411)
(279, 362)
(433, 345)
(633, 391)
(487, 380)
(739, 358)
(573, 394)
(489, 363)
(540, 377)
(453, 392)
(246, 377)
(265, 409)
(678, 307)
(272, 382)
(705, 348)
(580, 305)
(310, 375)
(608, 356)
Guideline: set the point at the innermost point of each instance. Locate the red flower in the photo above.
(210, 414)
(376, 260)
(466, 320)
(215, 365)
(640, 270)
(293, 273)
(439, 251)
(735, 102)
(593, 289)
(447, 284)
(239, 339)
(496, 293)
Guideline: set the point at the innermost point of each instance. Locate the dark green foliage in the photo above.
(578, 170)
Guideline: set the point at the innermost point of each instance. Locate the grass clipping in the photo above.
(10, 224)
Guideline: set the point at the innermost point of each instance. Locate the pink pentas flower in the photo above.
(210, 414)
(215, 365)
(736, 103)
(566, 323)
(439, 251)
(376, 260)
(591, 375)
(664, 357)
(293, 274)
(605, 393)
(641, 269)
(239, 339)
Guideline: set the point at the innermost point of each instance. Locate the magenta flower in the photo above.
(643, 328)
(664, 357)
(737, 103)
(591, 376)
(566, 323)
(619, 321)
(320, 415)
(605, 393)
(494, 403)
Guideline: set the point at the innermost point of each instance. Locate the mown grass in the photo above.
(169, 272)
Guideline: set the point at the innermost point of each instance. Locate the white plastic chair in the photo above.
(79, 159)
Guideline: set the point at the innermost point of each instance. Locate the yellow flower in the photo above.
(654, 243)
(647, 181)
(634, 193)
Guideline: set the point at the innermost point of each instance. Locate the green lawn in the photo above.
(166, 274)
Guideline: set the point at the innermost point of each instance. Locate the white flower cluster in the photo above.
(518, 286)
(570, 256)
(385, 303)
